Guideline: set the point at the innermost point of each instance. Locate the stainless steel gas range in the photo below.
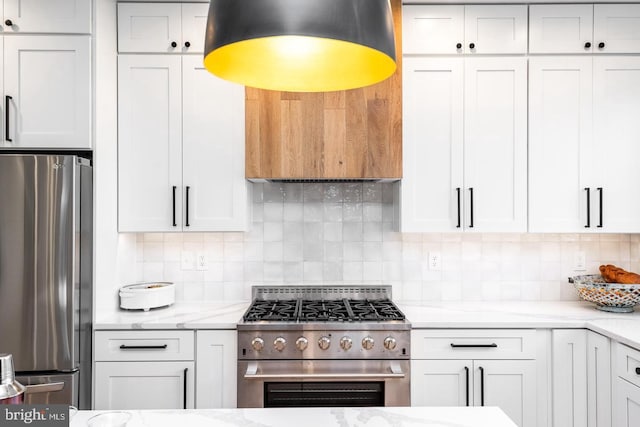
(302, 346)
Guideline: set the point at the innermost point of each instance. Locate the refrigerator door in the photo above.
(50, 389)
(39, 275)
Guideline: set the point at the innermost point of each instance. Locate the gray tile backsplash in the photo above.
(343, 233)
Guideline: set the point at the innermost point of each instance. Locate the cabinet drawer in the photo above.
(473, 344)
(143, 345)
(628, 363)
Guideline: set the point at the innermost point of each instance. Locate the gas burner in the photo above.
(342, 310)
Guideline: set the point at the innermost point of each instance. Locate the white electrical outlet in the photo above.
(188, 260)
(579, 261)
(435, 261)
(201, 261)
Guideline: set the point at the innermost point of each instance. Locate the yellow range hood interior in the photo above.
(346, 134)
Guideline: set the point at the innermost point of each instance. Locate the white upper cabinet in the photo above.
(212, 150)
(432, 29)
(433, 143)
(465, 164)
(47, 16)
(495, 146)
(616, 95)
(584, 28)
(561, 148)
(180, 147)
(495, 29)
(472, 29)
(47, 92)
(162, 27)
(149, 143)
(561, 28)
(616, 28)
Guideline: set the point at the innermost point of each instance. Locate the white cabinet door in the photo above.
(428, 29)
(616, 28)
(47, 16)
(561, 28)
(216, 359)
(495, 28)
(626, 406)
(441, 383)
(508, 384)
(616, 93)
(49, 85)
(560, 143)
(212, 150)
(144, 385)
(149, 143)
(569, 368)
(598, 380)
(150, 27)
(495, 158)
(194, 26)
(433, 144)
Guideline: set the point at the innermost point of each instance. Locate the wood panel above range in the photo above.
(352, 134)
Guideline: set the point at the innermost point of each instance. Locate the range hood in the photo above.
(327, 136)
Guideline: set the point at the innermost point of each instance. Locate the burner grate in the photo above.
(337, 310)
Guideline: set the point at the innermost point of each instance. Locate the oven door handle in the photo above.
(394, 372)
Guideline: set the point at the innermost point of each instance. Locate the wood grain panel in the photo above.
(345, 134)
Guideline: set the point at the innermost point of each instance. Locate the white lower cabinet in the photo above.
(144, 370)
(569, 373)
(598, 380)
(581, 378)
(144, 385)
(476, 368)
(626, 386)
(216, 362)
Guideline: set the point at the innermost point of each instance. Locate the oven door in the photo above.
(327, 383)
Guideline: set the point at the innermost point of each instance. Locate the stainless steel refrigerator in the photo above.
(46, 230)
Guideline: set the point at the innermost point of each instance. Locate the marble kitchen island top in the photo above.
(312, 417)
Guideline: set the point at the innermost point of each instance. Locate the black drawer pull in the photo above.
(481, 385)
(492, 345)
(466, 369)
(638, 371)
(143, 347)
(184, 389)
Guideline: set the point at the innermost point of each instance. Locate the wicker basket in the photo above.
(613, 297)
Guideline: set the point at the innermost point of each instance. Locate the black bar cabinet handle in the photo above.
(186, 223)
(143, 347)
(174, 206)
(466, 373)
(600, 191)
(184, 390)
(458, 195)
(588, 190)
(492, 345)
(481, 385)
(471, 206)
(7, 134)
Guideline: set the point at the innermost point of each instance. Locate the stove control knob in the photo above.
(279, 343)
(367, 343)
(302, 343)
(324, 342)
(257, 344)
(346, 343)
(389, 343)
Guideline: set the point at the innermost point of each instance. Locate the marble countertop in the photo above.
(309, 417)
(185, 315)
(623, 327)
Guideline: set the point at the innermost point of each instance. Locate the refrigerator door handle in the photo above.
(45, 388)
